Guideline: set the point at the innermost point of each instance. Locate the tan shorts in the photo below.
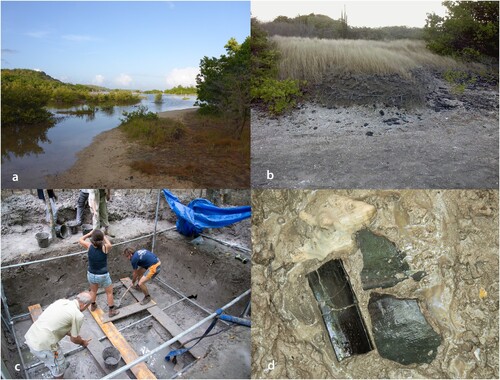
(53, 360)
(153, 270)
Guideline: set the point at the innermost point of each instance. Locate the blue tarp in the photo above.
(200, 214)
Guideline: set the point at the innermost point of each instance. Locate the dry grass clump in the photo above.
(312, 58)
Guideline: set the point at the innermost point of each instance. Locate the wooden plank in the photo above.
(174, 330)
(95, 346)
(128, 310)
(35, 311)
(167, 322)
(141, 371)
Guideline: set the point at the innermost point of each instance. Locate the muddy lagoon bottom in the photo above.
(375, 284)
(194, 281)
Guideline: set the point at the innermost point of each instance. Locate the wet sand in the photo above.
(106, 163)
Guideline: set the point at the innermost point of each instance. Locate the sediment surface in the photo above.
(451, 236)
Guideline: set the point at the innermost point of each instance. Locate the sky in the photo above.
(120, 44)
(359, 13)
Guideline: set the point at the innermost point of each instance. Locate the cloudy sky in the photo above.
(359, 13)
(117, 44)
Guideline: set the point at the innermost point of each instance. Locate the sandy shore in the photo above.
(105, 163)
(177, 114)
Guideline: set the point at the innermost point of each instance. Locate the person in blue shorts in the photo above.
(146, 266)
(98, 249)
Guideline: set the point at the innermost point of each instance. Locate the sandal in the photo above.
(93, 306)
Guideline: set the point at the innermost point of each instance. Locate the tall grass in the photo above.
(312, 58)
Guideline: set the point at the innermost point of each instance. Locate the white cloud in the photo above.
(185, 77)
(124, 80)
(38, 34)
(98, 80)
(77, 37)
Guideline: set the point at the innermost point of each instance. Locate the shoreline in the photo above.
(105, 163)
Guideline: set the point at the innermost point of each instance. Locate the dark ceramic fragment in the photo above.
(400, 330)
(383, 264)
(339, 308)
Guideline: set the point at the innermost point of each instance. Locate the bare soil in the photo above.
(207, 157)
(209, 273)
(395, 133)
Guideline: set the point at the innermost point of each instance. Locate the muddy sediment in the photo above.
(450, 245)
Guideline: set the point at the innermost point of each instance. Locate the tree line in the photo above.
(26, 93)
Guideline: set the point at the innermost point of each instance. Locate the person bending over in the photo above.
(146, 266)
(61, 318)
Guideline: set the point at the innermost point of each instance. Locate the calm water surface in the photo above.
(35, 153)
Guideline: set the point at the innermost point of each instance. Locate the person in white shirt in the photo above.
(61, 318)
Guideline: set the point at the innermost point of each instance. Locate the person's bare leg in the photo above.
(144, 289)
(93, 293)
(111, 303)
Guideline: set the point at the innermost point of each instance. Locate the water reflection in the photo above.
(24, 140)
(35, 152)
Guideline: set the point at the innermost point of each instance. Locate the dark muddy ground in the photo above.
(401, 133)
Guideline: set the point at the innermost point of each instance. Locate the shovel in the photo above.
(118, 304)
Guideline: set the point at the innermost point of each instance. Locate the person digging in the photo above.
(146, 266)
(61, 318)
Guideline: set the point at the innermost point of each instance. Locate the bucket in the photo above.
(86, 228)
(111, 357)
(43, 239)
(73, 226)
(62, 231)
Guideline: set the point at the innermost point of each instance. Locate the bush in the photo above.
(141, 113)
(147, 127)
(23, 104)
(158, 98)
(277, 95)
(470, 30)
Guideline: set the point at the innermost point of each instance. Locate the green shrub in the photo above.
(459, 80)
(277, 95)
(142, 113)
(151, 130)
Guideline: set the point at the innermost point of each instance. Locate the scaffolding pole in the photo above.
(182, 295)
(156, 221)
(81, 252)
(244, 249)
(6, 308)
(174, 339)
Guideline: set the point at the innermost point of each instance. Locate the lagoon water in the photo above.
(42, 152)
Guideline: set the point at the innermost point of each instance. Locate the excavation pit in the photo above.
(194, 282)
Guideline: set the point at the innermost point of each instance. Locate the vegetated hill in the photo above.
(321, 26)
(40, 79)
(399, 73)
